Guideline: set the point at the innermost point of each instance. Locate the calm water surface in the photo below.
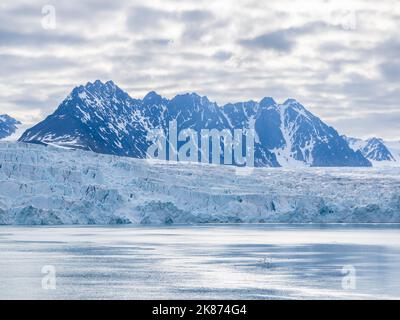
(202, 262)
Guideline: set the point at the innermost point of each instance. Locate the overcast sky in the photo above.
(341, 59)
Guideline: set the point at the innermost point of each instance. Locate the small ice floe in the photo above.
(266, 263)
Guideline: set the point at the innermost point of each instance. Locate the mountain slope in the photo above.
(8, 126)
(103, 118)
(99, 117)
(48, 185)
(374, 149)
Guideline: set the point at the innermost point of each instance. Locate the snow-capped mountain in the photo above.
(8, 126)
(293, 135)
(103, 118)
(374, 149)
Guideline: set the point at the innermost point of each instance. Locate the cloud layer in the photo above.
(339, 58)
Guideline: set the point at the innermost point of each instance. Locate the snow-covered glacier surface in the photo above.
(50, 185)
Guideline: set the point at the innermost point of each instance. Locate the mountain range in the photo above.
(103, 118)
(376, 150)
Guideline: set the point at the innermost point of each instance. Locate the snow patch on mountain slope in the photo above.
(48, 185)
(285, 155)
(17, 134)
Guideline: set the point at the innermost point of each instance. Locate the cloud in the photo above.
(192, 24)
(196, 16)
(391, 70)
(25, 64)
(223, 55)
(141, 18)
(38, 38)
(229, 51)
(197, 24)
(379, 124)
(278, 40)
(284, 40)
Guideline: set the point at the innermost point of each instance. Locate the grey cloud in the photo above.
(278, 40)
(378, 124)
(389, 48)
(129, 43)
(154, 43)
(195, 23)
(198, 23)
(357, 94)
(50, 97)
(20, 17)
(142, 18)
(391, 70)
(18, 65)
(38, 38)
(26, 17)
(30, 102)
(329, 47)
(222, 55)
(337, 65)
(196, 16)
(284, 40)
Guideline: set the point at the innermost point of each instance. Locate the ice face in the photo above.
(50, 185)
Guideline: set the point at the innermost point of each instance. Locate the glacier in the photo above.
(377, 151)
(50, 185)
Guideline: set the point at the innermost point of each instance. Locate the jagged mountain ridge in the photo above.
(103, 118)
(375, 149)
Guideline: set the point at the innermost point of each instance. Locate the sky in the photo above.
(340, 59)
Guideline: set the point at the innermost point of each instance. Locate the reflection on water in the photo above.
(202, 262)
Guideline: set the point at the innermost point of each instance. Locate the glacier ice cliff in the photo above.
(42, 185)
